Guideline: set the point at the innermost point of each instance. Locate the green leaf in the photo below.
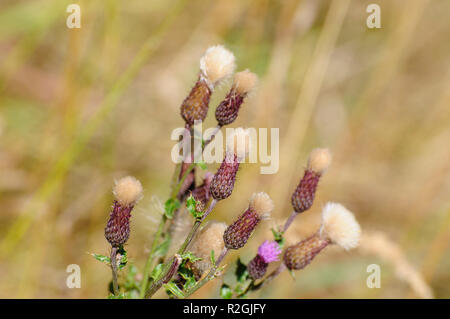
(189, 256)
(213, 260)
(278, 236)
(190, 282)
(124, 258)
(226, 292)
(170, 206)
(156, 272)
(191, 205)
(202, 165)
(103, 259)
(241, 271)
(173, 288)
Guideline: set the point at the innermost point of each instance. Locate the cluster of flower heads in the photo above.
(338, 226)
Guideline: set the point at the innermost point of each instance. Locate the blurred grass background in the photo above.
(80, 107)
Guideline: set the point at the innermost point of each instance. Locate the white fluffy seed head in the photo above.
(245, 81)
(209, 238)
(319, 160)
(239, 143)
(217, 64)
(262, 204)
(127, 190)
(340, 226)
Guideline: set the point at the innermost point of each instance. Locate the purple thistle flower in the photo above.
(269, 251)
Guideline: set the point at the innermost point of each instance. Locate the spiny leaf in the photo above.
(173, 288)
(103, 259)
(191, 205)
(157, 271)
(189, 256)
(170, 206)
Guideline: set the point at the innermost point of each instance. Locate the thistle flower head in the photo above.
(127, 190)
(238, 233)
(319, 160)
(262, 204)
(300, 255)
(269, 251)
(239, 144)
(244, 82)
(216, 65)
(208, 239)
(340, 226)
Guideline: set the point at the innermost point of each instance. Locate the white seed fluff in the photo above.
(217, 64)
(262, 204)
(209, 238)
(127, 190)
(340, 226)
(244, 81)
(319, 160)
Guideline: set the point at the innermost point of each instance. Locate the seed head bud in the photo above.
(268, 252)
(222, 183)
(303, 196)
(209, 238)
(228, 109)
(299, 256)
(127, 191)
(238, 233)
(319, 160)
(340, 226)
(215, 65)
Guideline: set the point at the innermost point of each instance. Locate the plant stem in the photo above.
(166, 275)
(209, 276)
(289, 220)
(149, 262)
(113, 262)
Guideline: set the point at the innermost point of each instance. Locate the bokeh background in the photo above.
(81, 107)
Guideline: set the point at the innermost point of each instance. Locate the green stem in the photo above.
(163, 277)
(210, 276)
(113, 262)
(149, 262)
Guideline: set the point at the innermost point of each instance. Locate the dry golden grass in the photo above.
(79, 108)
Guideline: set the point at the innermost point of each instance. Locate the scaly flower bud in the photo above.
(127, 191)
(303, 196)
(298, 256)
(228, 109)
(268, 252)
(238, 233)
(222, 183)
(339, 226)
(210, 238)
(216, 65)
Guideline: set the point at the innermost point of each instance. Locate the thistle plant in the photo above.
(196, 258)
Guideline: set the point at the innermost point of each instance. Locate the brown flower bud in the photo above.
(298, 256)
(303, 196)
(195, 106)
(227, 111)
(237, 234)
(127, 191)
